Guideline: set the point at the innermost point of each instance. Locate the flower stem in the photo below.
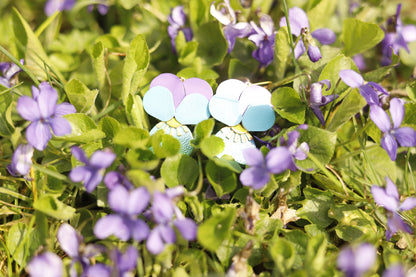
(297, 69)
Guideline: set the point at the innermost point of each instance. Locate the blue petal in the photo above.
(158, 102)
(193, 109)
(258, 118)
(225, 110)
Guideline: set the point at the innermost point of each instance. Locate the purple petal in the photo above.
(266, 23)
(299, 49)
(167, 233)
(253, 157)
(69, 240)
(316, 93)
(118, 199)
(395, 223)
(177, 16)
(345, 260)
(406, 136)
(314, 53)
(279, 159)
(226, 17)
(60, 126)
(391, 188)
(79, 154)
(317, 111)
(384, 200)
(256, 39)
(328, 98)
(351, 78)
(139, 230)
(370, 95)
(47, 99)
(187, 227)
(102, 159)
(378, 88)
(397, 111)
(255, 177)
(38, 135)
(324, 36)
(175, 192)
(46, 264)
(301, 151)
(389, 143)
(359, 62)
(238, 30)
(380, 118)
(79, 174)
(128, 260)
(409, 33)
(154, 242)
(93, 181)
(64, 108)
(112, 225)
(297, 20)
(408, 204)
(28, 108)
(162, 208)
(172, 83)
(394, 271)
(98, 270)
(138, 200)
(21, 160)
(365, 257)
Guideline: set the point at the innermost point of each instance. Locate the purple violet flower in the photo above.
(47, 264)
(396, 135)
(73, 244)
(276, 161)
(299, 26)
(395, 270)
(101, 8)
(263, 38)
(9, 70)
(21, 161)
(177, 21)
(355, 261)
(166, 214)
(53, 6)
(45, 114)
(389, 199)
(124, 262)
(317, 100)
(92, 173)
(127, 204)
(115, 178)
(232, 30)
(359, 62)
(396, 36)
(373, 93)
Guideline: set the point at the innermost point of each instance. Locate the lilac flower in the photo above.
(396, 135)
(124, 262)
(127, 204)
(276, 161)
(263, 38)
(92, 172)
(9, 70)
(44, 113)
(396, 36)
(166, 214)
(101, 8)
(177, 21)
(73, 245)
(299, 26)
(395, 270)
(373, 93)
(317, 100)
(53, 6)
(47, 264)
(388, 198)
(355, 261)
(115, 178)
(232, 30)
(21, 160)
(359, 62)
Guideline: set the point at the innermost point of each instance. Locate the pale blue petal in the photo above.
(158, 102)
(193, 109)
(258, 118)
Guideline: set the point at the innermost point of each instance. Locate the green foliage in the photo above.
(80, 96)
(287, 104)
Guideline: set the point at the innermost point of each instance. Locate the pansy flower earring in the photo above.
(243, 107)
(177, 102)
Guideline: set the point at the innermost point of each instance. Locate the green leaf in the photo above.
(282, 51)
(6, 122)
(198, 12)
(222, 179)
(212, 146)
(212, 44)
(320, 15)
(80, 96)
(135, 66)
(202, 130)
(179, 170)
(51, 206)
(216, 229)
(109, 126)
(97, 55)
(283, 254)
(238, 68)
(22, 243)
(132, 137)
(354, 224)
(359, 36)
(135, 112)
(287, 104)
(84, 129)
(410, 114)
(321, 145)
(316, 206)
(350, 106)
(315, 254)
(164, 145)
